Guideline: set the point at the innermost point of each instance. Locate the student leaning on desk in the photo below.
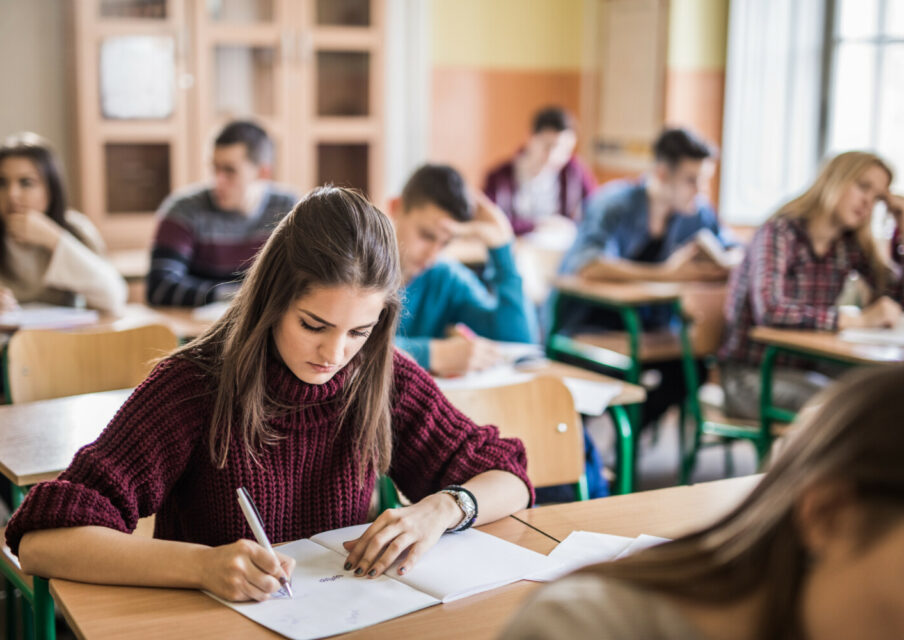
(815, 552)
(48, 253)
(434, 208)
(803, 268)
(296, 394)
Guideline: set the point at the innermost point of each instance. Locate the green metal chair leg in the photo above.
(581, 491)
(626, 449)
(45, 622)
(10, 610)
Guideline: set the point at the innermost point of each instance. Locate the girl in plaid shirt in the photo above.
(794, 272)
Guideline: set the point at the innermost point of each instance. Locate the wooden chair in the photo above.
(50, 364)
(541, 413)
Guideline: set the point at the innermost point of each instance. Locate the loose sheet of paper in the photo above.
(328, 600)
(884, 337)
(583, 548)
(460, 564)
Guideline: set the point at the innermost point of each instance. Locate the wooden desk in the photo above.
(824, 345)
(629, 394)
(130, 612)
(96, 611)
(665, 512)
(132, 264)
(38, 439)
(827, 345)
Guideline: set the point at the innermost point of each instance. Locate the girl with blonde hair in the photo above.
(807, 268)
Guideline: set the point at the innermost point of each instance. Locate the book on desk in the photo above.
(328, 600)
(45, 316)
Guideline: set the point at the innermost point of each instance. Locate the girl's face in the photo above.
(22, 188)
(860, 197)
(322, 331)
(856, 589)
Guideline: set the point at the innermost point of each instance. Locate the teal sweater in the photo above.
(448, 293)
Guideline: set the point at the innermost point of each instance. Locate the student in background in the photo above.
(298, 395)
(797, 267)
(48, 253)
(208, 234)
(646, 230)
(815, 551)
(449, 317)
(545, 180)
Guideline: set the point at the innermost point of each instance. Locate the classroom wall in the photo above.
(494, 64)
(33, 46)
(695, 70)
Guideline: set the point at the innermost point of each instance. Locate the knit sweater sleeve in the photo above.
(128, 471)
(436, 445)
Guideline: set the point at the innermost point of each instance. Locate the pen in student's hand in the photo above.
(465, 331)
(257, 528)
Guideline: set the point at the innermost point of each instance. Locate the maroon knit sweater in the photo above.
(153, 458)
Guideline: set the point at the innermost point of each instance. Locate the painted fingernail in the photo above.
(359, 571)
(402, 570)
(372, 573)
(348, 565)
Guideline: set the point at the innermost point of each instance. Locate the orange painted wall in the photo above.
(482, 116)
(695, 99)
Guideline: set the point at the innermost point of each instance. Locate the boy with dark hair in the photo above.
(449, 316)
(208, 234)
(642, 230)
(545, 180)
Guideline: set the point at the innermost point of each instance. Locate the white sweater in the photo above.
(35, 274)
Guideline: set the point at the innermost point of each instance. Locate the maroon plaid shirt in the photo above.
(783, 283)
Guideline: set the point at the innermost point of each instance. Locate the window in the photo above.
(865, 96)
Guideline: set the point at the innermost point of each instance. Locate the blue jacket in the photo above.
(615, 225)
(448, 293)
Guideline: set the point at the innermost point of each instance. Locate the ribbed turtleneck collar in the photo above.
(284, 385)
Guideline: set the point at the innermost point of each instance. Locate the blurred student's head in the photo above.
(821, 538)
(30, 177)
(242, 154)
(553, 139)
(322, 296)
(683, 166)
(845, 192)
(433, 205)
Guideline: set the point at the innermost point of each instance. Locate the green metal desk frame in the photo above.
(627, 421)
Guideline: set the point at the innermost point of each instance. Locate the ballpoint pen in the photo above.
(257, 528)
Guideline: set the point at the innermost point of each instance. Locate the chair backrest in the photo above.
(541, 413)
(705, 303)
(51, 364)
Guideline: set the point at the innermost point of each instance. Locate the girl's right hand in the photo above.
(8, 301)
(884, 312)
(243, 570)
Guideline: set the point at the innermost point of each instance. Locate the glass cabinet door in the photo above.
(343, 13)
(343, 83)
(240, 11)
(134, 9)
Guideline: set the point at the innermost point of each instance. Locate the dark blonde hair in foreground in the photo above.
(856, 436)
(824, 194)
(333, 237)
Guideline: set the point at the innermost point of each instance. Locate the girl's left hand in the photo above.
(415, 529)
(34, 228)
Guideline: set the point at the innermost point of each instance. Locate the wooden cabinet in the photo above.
(156, 79)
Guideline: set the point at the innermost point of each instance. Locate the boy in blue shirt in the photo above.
(449, 316)
(646, 230)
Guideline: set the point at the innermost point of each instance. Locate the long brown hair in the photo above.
(823, 196)
(854, 436)
(332, 237)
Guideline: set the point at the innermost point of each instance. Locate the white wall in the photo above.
(33, 93)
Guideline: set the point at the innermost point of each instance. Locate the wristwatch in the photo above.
(466, 502)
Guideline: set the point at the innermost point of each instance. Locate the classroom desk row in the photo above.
(96, 611)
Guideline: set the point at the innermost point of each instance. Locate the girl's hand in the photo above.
(34, 228)
(8, 301)
(413, 529)
(243, 570)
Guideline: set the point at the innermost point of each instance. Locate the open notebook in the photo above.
(329, 600)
